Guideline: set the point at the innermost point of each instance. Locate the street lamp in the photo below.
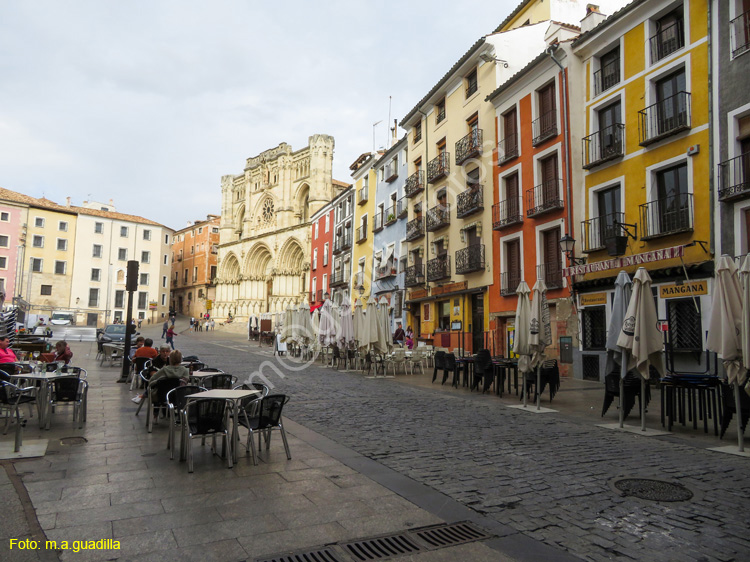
(326, 296)
(486, 57)
(567, 245)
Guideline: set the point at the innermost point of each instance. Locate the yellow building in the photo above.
(645, 197)
(365, 181)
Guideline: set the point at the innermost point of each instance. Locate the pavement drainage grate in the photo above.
(317, 555)
(654, 490)
(381, 547)
(441, 536)
(73, 441)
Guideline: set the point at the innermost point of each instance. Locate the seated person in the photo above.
(62, 352)
(409, 342)
(147, 350)
(6, 353)
(173, 370)
(139, 341)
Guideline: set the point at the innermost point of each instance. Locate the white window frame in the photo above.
(120, 253)
(98, 274)
(98, 228)
(40, 261)
(145, 256)
(651, 171)
(94, 253)
(34, 238)
(315, 259)
(595, 65)
(317, 223)
(3, 262)
(125, 230)
(65, 245)
(39, 222)
(503, 241)
(65, 267)
(650, 89)
(517, 169)
(146, 234)
(327, 223)
(325, 254)
(4, 216)
(539, 156)
(6, 240)
(650, 30)
(559, 223)
(62, 226)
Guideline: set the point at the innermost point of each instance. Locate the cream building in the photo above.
(264, 245)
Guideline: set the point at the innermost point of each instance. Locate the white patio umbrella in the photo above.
(725, 330)
(327, 325)
(540, 333)
(745, 329)
(287, 325)
(314, 329)
(521, 343)
(615, 354)
(640, 336)
(370, 335)
(346, 325)
(385, 340)
(359, 322)
(305, 329)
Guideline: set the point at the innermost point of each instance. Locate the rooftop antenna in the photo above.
(388, 128)
(373, 134)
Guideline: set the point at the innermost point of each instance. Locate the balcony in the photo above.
(440, 114)
(362, 195)
(391, 172)
(361, 234)
(509, 281)
(603, 146)
(507, 149)
(670, 215)
(342, 242)
(469, 147)
(390, 215)
(740, 34)
(402, 208)
(386, 271)
(544, 127)
(470, 201)
(439, 167)
(414, 229)
(414, 275)
(438, 217)
(414, 184)
(439, 268)
(470, 259)
(667, 41)
(507, 213)
(734, 178)
(544, 198)
(377, 222)
(607, 76)
(664, 118)
(595, 232)
(359, 279)
(552, 276)
(339, 277)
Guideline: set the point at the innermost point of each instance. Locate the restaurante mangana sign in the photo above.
(626, 261)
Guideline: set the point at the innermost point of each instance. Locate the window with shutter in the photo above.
(549, 179)
(552, 258)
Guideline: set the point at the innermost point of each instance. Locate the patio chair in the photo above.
(12, 397)
(417, 359)
(632, 386)
(221, 380)
(206, 418)
(157, 395)
(69, 390)
(267, 419)
(140, 367)
(449, 366)
(336, 358)
(398, 358)
(254, 386)
(484, 373)
(176, 402)
(438, 364)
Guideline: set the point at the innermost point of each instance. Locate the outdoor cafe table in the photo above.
(45, 379)
(233, 397)
(112, 352)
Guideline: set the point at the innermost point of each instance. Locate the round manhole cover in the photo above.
(654, 490)
(73, 441)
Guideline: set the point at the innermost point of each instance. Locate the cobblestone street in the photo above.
(549, 477)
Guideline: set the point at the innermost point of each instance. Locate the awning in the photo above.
(388, 255)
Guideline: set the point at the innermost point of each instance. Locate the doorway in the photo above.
(92, 319)
(477, 322)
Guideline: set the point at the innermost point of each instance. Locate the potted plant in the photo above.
(391, 217)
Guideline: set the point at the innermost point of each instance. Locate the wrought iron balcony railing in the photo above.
(342, 241)
(667, 41)
(311, 297)
(339, 277)
(507, 213)
(544, 127)
(734, 178)
(551, 274)
(414, 184)
(470, 259)
(439, 268)
(390, 214)
(361, 234)
(509, 281)
(391, 171)
(414, 229)
(740, 34)
(603, 145)
(440, 114)
(470, 201)
(377, 222)
(402, 207)
(438, 217)
(596, 231)
(607, 76)
(664, 118)
(670, 215)
(320, 295)
(414, 275)
(386, 271)
(544, 197)
(439, 167)
(507, 149)
(362, 195)
(469, 147)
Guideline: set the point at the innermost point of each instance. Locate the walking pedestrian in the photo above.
(170, 336)
(164, 329)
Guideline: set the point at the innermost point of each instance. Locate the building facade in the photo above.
(364, 182)
(13, 225)
(343, 236)
(321, 252)
(264, 245)
(194, 266)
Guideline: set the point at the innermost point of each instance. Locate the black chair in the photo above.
(632, 388)
(729, 407)
(549, 375)
(254, 386)
(219, 381)
(176, 402)
(206, 417)
(268, 418)
(12, 397)
(439, 364)
(336, 358)
(69, 390)
(449, 366)
(157, 393)
(484, 372)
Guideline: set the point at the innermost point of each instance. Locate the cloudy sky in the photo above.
(150, 102)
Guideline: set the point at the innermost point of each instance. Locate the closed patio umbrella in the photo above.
(540, 333)
(305, 329)
(725, 330)
(327, 326)
(640, 336)
(745, 328)
(314, 329)
(346, 326)
(616, 356)
(385, 340)
(521, 343)
(359, 322)
(370, 335)
(287, 325)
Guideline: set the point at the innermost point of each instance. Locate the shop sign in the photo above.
(591, 299)
(418, 294)
(683, 290)
(450, 288)
(626, 261)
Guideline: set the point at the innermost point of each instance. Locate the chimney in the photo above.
(593, 18)
(394, 132)
(67, 202)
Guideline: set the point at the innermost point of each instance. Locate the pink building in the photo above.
(12, 235)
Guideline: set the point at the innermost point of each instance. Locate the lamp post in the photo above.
(567, 245)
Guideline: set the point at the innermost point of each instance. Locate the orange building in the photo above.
(194, 261)
(532, 190)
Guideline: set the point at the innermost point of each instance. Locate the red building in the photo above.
(321, 258)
